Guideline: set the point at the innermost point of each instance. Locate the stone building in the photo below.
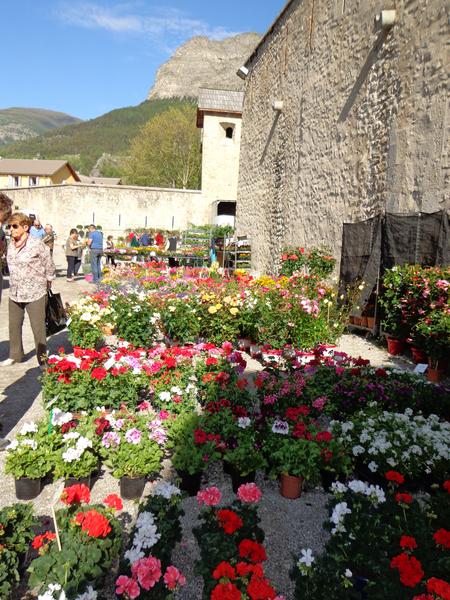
(118, 207)
(219, 115)
(344, 116)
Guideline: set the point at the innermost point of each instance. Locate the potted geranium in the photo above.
(193, 450)
(29, 459)
(88, 543)
(295, 461)
(435, 332)
(131, 453)
(244, 456)
(76, 459)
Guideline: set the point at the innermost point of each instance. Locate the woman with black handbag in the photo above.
(31, 271)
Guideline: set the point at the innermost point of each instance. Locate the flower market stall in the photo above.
(220, 404)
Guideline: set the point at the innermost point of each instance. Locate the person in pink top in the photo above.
(31, 271)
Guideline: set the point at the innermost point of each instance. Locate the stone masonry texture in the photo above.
(363, 126)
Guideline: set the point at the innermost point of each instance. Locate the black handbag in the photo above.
(55, 314)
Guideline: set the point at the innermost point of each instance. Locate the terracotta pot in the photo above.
(434, 375)
(363, 321)
(357, 321)
(395, 346)
(27, 489)
(131, 488)
(418, 356)
(351, 320)
(290, 486)
(370, 322)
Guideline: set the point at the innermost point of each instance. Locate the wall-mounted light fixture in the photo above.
(385, 19)
(277, 105)
(242, 72)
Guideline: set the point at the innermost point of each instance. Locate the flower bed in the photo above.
(146, 571)
(383, 543)
(143, 303)
(231, 549)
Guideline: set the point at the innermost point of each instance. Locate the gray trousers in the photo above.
(36, 314)
(1, 280)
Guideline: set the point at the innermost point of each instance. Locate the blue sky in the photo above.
(86, 58)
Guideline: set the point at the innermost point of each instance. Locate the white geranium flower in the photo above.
(31, 443)
(373, 466)
(348, 573)
(306, 557)
(89, 594)
(28, 428)
(164, 396)
(59, 417)
(243, 422)
(165, 489)
(133, 554)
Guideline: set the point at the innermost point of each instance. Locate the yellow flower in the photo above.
(212, 310)
(234, 311)
(227, 299)
(218, 306)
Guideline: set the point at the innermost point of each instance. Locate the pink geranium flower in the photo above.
(148, 571)
(128, 586)
(173, 578)
(210, 496)
(249, 493)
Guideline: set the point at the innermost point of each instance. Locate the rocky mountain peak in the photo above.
(203, 62)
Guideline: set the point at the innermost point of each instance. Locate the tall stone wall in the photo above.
(115, 208)
(363, 126)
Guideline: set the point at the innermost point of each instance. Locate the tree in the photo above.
(166, 152)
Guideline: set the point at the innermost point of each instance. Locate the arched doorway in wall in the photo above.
(225, 212)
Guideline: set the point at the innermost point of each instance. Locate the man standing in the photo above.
(5, 213)
(49, 238)
(95, 243)
(37, 230)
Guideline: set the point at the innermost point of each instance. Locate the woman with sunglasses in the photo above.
(31, 271)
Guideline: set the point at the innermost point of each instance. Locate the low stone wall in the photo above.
(115, 208)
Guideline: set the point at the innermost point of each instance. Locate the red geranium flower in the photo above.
(229, 521)
(200, 436)
(93, 523)
(226, 591)
(442, 538)
(99, 373)
(252, 550)
(408, 542)
(224, 569)
(211, 361)
(260, 589)
(113, 501)
(76, 494)
(324, 436)
(410, 569)
(395, 477)
(446, 485)
(102, 424)
(403, 498)
(244, 569)
(439, 587)
(40, 540)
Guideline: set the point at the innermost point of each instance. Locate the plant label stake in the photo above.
(55, 499)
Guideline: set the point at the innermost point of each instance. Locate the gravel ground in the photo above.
(289, 524)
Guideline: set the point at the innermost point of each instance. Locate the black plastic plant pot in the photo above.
(190, 483)
(27, 489)
(78, 480)
(238, 480)
(131, 488)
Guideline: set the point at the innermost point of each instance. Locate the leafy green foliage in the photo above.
(166, 152)
(86, 142)
(16, 533)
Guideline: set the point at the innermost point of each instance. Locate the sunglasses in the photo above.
(16, 225)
